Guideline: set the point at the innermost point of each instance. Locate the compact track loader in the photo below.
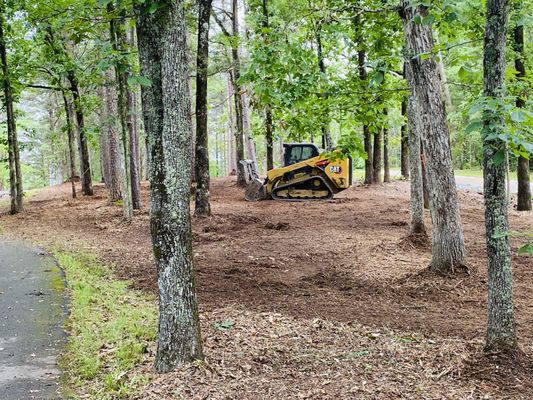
(305, 175)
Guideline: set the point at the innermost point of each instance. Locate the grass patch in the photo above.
(111, 328)
(478, 173)
(28, 194)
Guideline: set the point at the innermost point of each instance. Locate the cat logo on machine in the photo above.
(335, 169)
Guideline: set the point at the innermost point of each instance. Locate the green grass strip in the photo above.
(110, 326)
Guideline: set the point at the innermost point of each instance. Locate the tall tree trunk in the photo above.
(425, 184)
(448, 250)
(236, 89)
(85, 164)
(59, 50)
(118, 39)
(501, 333)
(202, 205)
(115, 179)
(232, 158)
(367, 136)
(268, 111)
(376, 158)
(135, 156)
(415, 164)
(135, 143)
(239, 138)
(524, 187)
(269, 139)
(15, 174)
(404, 141)
(71, 142)
(104, 150)
(250, 145)
(325, 128)
(386, 166)
(163, 51)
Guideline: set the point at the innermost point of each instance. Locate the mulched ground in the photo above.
(325, 292)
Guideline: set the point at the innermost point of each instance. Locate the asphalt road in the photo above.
(476, 184)
(32, 311)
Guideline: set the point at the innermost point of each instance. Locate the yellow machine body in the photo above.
(315, 178)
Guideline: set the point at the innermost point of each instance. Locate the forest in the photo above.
(272, 199)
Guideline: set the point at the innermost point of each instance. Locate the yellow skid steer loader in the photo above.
(305, 175)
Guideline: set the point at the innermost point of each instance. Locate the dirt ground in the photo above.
(343, 264)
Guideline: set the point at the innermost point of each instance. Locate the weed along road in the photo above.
(32, 312)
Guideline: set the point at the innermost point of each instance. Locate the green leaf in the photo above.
(499, 235)
(518, 116)
(377, 78)
(474, 126)
(225, 326)
(499, 157)
(464, 73)
(526, 249)
(428, 20)
(139, 79)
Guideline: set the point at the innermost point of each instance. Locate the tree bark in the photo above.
(448, 250)
(376, 158)
(250, 145)
(326, 132)
(404, 143)
(367, 136)
(202, 204)
(386, 166)
(524, 187)
(269, 139)
(239, 138)
(232, 158)
(425, 184)
(415, 164)
(85, 164)
(134, 142)
(163, 51)
(135, 156)
(71, 143)
(114, 180)
(501, 333)
(15, 173)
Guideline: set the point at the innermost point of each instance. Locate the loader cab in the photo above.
(294, 153)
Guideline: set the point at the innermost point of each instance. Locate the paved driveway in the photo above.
(32, 311)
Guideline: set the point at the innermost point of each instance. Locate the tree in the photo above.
(386, 163)
(524, 187)
(15, 171)
(415, 166)
(117, 36)
(376, 157)
(367, 136)
(325, 128)
(162, 41)
(71, 139)
(501, 333)
(111, 151)
(67, 67)
(202, 205)
(236, 87)
(448, 249)
(404, 140)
